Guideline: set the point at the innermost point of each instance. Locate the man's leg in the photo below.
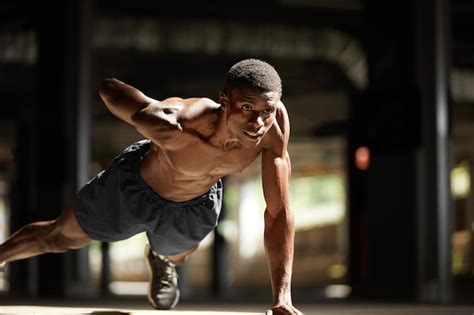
(44, 237)
(163, 291)
(181, 258)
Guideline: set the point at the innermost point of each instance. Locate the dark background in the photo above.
(406, 68)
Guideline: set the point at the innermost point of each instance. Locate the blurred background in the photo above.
(381, 102)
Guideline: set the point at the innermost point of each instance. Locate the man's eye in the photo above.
(246, 108)
(268, 111)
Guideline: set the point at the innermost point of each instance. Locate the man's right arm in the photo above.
(157, 121)
(123, 100)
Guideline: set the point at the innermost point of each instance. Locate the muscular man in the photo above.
(169, 184)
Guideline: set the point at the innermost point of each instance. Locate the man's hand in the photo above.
(283, 309)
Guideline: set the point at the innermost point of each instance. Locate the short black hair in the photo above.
(253, 73)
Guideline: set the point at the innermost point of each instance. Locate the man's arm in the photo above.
(123, 100)
(279, 222)
(159, 121)
(279, 225)
(139, 110)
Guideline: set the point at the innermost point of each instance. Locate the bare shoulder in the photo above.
(198, 114)
(279, 133)
(195, 108)
(283, 120)
(189, 106)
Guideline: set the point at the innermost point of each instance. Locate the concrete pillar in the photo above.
(53, 149)
(401, 220)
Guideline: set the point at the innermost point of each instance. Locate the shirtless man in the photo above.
(169, 185)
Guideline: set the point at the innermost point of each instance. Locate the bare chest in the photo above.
(201, 160)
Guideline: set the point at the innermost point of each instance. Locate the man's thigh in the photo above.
(67, 228)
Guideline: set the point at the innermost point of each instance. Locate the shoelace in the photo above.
(165, 272)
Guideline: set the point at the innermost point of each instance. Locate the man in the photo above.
(169, 185)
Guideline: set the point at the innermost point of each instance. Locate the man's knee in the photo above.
(53, 245)
(58, 242)
(66, 233)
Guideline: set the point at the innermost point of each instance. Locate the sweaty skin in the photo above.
(196, 141)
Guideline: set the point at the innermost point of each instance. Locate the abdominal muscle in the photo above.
(171, 185)
(186, 179)
(181, 190)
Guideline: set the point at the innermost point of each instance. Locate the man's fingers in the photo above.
(283, 310)
(297, 312)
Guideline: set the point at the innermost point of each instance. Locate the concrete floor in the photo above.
(230, 309)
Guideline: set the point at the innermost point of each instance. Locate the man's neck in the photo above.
(223, 138)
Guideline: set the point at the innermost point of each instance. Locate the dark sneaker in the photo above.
(163, 292)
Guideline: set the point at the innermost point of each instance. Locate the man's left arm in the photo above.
(279, 221)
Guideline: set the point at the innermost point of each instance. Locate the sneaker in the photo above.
(163, 292)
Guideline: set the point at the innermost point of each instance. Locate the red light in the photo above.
(362, 158)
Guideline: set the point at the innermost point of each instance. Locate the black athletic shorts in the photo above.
(117, 204)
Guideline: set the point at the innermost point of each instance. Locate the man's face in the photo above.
(251, 113)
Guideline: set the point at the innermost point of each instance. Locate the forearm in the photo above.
(122, 99)
(279, 246)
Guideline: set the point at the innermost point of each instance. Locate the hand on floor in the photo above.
(283, 309)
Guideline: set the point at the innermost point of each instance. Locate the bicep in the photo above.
(276, 173)
(174, 117)
(159, 123)
(276, 164)
(123, 100)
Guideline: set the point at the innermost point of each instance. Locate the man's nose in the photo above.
(256, 122)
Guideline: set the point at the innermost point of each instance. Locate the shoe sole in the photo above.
(150, 282)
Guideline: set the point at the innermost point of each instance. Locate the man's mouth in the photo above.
(253, 135)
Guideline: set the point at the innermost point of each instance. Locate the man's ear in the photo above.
(223, 98)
